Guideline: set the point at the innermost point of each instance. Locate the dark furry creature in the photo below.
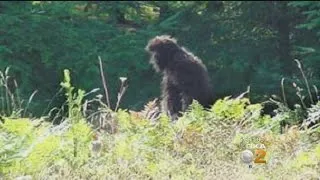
(185, 77)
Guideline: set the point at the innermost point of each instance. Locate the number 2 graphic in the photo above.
(260, 154)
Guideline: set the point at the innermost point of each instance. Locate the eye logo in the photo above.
(247, 156)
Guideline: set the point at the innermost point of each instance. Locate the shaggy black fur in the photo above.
(185, 77)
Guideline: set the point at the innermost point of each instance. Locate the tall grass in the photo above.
(202, 144)
(11, 102)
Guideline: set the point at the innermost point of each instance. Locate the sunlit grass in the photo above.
(202, 144)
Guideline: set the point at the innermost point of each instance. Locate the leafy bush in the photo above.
(198, 143)
(202, 144)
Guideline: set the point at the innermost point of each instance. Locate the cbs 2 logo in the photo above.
(259, 152)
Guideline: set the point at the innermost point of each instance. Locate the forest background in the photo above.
(242, 44)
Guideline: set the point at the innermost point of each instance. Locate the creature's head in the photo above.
(162, 49)
(161, 43)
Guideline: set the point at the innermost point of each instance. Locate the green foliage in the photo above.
(313, 116)
(30, 148)
(307, 159)
(33, 147)
(153, 150)
(229, 108)
(74, 100)
(194, 120)
(42, 154)
(16, 153)
(76, 119)
(79, 137)
(21, 127)
(312, 13)
(236, 109)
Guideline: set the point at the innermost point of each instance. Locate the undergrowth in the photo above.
(202, 144)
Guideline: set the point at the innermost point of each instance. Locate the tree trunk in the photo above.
(283, 27)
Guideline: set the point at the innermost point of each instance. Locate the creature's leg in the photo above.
(186, 101)
(172, 102)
